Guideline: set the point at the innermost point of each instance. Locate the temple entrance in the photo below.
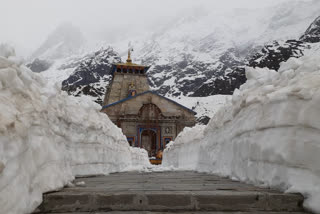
(149, 142)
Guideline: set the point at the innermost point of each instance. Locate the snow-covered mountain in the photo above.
(198, 54)
(270, 56)
(91, 74)
(39, 65)
(203, 53)
(312, 34)
(65, 40)
(273, 54)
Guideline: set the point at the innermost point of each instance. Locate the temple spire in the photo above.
(129, 60)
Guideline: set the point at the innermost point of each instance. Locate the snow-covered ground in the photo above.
(48, 137)
(268, 134)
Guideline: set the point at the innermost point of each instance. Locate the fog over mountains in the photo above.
(198, 53)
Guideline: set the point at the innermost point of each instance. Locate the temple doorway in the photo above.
(149, 142)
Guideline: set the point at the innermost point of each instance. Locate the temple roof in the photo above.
(129, 61)
(141, 69)
(130, 64)
(146, 92)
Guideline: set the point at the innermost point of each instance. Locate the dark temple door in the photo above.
(149, 142)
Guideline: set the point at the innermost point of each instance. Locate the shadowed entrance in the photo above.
(149, 142)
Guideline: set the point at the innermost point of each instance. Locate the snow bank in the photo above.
(47, 137)
(268, 134)
(182, 146)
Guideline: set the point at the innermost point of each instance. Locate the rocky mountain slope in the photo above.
(270, 56)
(205, 55)
(66, 40)
(91, 74)
(198, 54)
(273, 54)
(312, 34)
(189, 77)
(39, 65)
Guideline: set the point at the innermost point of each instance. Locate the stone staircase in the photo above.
(167, 192)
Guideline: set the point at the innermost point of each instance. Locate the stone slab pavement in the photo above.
(158, 192)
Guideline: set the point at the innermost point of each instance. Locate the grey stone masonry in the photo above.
(158, 192)
(120, 86)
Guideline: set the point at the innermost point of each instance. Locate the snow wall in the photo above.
(268, 134)
(47, 138)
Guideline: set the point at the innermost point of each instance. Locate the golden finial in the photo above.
(129, 56)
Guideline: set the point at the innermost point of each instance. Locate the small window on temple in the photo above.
(130, 70)
(124, 70)
(141, 72)
(119, 70)
(132, 93)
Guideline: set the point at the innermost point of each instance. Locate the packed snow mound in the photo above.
(267, 134)
(48, 137)
(182, 153)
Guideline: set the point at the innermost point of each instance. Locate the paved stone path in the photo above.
(158, 192)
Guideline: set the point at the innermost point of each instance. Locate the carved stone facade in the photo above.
(149, 111)
(148, 120)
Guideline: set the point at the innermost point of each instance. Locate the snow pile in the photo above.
(268, 133)
(139, 157)
(47, 137)
(177, 154)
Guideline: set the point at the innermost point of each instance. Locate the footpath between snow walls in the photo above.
(268, 134)
(47, 138)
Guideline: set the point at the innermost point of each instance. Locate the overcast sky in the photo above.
(26, 23)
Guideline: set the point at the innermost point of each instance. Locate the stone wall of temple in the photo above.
(119, 87)
(150, 111)
(132, 107)
(148, 120)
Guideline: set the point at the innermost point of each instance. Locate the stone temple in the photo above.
(148, 120)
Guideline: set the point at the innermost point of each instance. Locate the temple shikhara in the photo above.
(148, 120)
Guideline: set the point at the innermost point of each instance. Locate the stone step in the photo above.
(183, 192)
(167, 201)
(191, 212)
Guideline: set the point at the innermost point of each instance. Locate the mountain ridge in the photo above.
(198, 57)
